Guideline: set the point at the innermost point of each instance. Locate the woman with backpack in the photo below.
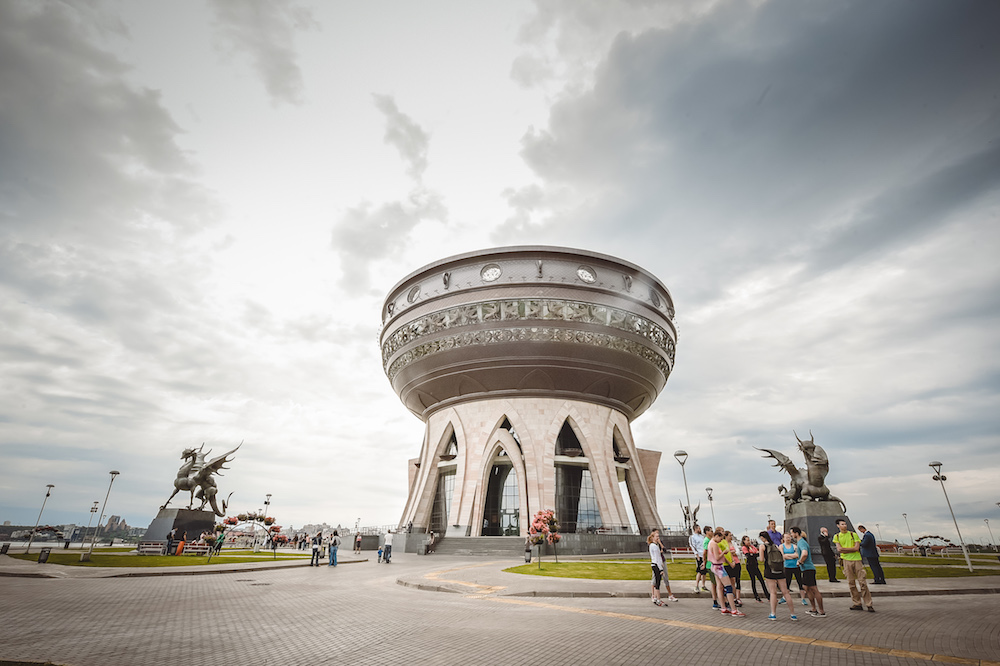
(750, 554)
(774, 575)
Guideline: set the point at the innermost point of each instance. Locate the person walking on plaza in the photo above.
(357, 543)
(774, 574)
(724, 584)
(656, 563)
(171, 535)
(333, 544)
(696, 542)
(828, 555)
(849, 547)
(387, 554)
(317, 543)
(808, 569)
(869, 555)
(751, 555)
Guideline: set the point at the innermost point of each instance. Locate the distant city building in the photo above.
(527, 365)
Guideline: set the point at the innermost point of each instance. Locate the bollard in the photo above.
(43, 555)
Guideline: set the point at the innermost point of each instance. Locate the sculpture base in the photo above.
(810, 517)
(185, 520)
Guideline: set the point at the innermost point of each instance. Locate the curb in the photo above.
(161, 572)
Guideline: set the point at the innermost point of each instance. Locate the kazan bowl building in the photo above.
(527, 365)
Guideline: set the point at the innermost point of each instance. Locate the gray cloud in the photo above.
(265, 31)
(367, 233)
(404, 135)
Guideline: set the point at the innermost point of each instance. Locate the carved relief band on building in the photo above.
(528, 309)
(528, 334)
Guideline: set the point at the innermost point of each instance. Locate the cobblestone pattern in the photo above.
(359, 615)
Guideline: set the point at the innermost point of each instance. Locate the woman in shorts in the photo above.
(774, 574)
(791, 551)
(724, 584)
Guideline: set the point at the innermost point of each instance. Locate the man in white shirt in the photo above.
(695, 541)
(388, 547)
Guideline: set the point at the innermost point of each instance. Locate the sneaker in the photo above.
(812, 613)
(857, 607)
(672, 598)
(739, 614)
(658, 602)
(781, 600)
(716, 606)
(817, 614)
(726, 611)
(772, 617)
(871, 609)
(739, 603)
(805, 603)
(696, 590)
(793, 618)
(704, 589)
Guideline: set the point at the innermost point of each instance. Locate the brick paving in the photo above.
(360, 614)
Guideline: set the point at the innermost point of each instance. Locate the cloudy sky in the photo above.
(203, 204)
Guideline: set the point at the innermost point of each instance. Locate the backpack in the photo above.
(774, 558)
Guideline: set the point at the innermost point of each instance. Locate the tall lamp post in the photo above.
(682, 457)
(987, 521)
(938, 476)
(31, 537)
(709, 491)
(908, 530)
(85, 557)
(93, 510)
(878, 528)
(267, 505)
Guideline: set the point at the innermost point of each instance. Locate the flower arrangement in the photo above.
(269, 520)
(544, 528)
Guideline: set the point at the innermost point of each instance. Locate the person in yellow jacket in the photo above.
(849, 548)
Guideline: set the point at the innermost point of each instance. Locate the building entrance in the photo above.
(501, 514)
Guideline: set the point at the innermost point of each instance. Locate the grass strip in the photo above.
(641, 571)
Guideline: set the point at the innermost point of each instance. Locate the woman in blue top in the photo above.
(792, 553)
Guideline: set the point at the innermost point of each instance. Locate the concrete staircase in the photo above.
(511, 546)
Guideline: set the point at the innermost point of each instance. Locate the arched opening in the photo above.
(452, 448)
(567, 443)
(442, 500)
(501, 516)
(576, 499)
(506, 425)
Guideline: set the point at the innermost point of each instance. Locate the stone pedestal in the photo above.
(185, 520)
(810, 516)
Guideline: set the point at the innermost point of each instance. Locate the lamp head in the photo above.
(709, 491)
(681, 456)
(114, 473)
(936, 466)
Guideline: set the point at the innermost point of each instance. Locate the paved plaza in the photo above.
(438, 610)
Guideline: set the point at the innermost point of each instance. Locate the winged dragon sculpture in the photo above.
(808, 484)
(195, 476)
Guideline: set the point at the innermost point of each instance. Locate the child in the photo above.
(380, 554)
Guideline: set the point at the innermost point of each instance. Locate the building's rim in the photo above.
(523, 249)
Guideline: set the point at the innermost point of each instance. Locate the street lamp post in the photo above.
(987, 521)
(31, 537)
(938, 476)
(93, 510)
(908, 530)
(682, 457)
(878, 528)
(709, 491)
(85, 557)
(267, 505)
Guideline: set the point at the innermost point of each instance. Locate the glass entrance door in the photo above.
(502, 511)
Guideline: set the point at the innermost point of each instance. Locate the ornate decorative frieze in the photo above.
(525, 309)
(528, 334)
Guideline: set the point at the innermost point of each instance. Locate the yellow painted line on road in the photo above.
(733, 631)
(482, 589)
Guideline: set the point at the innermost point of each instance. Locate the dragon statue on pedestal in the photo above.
(809, 484)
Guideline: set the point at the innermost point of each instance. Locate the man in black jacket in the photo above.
(828, 556)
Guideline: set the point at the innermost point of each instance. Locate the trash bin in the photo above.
(4, 548)
(43, 555)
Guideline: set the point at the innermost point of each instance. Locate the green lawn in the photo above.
(625, 570)
(99, 559)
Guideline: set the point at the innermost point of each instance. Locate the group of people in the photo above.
(774, 560)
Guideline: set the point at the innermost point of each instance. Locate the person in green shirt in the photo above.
(849, 548)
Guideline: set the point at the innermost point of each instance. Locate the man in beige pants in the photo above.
(849, 547)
